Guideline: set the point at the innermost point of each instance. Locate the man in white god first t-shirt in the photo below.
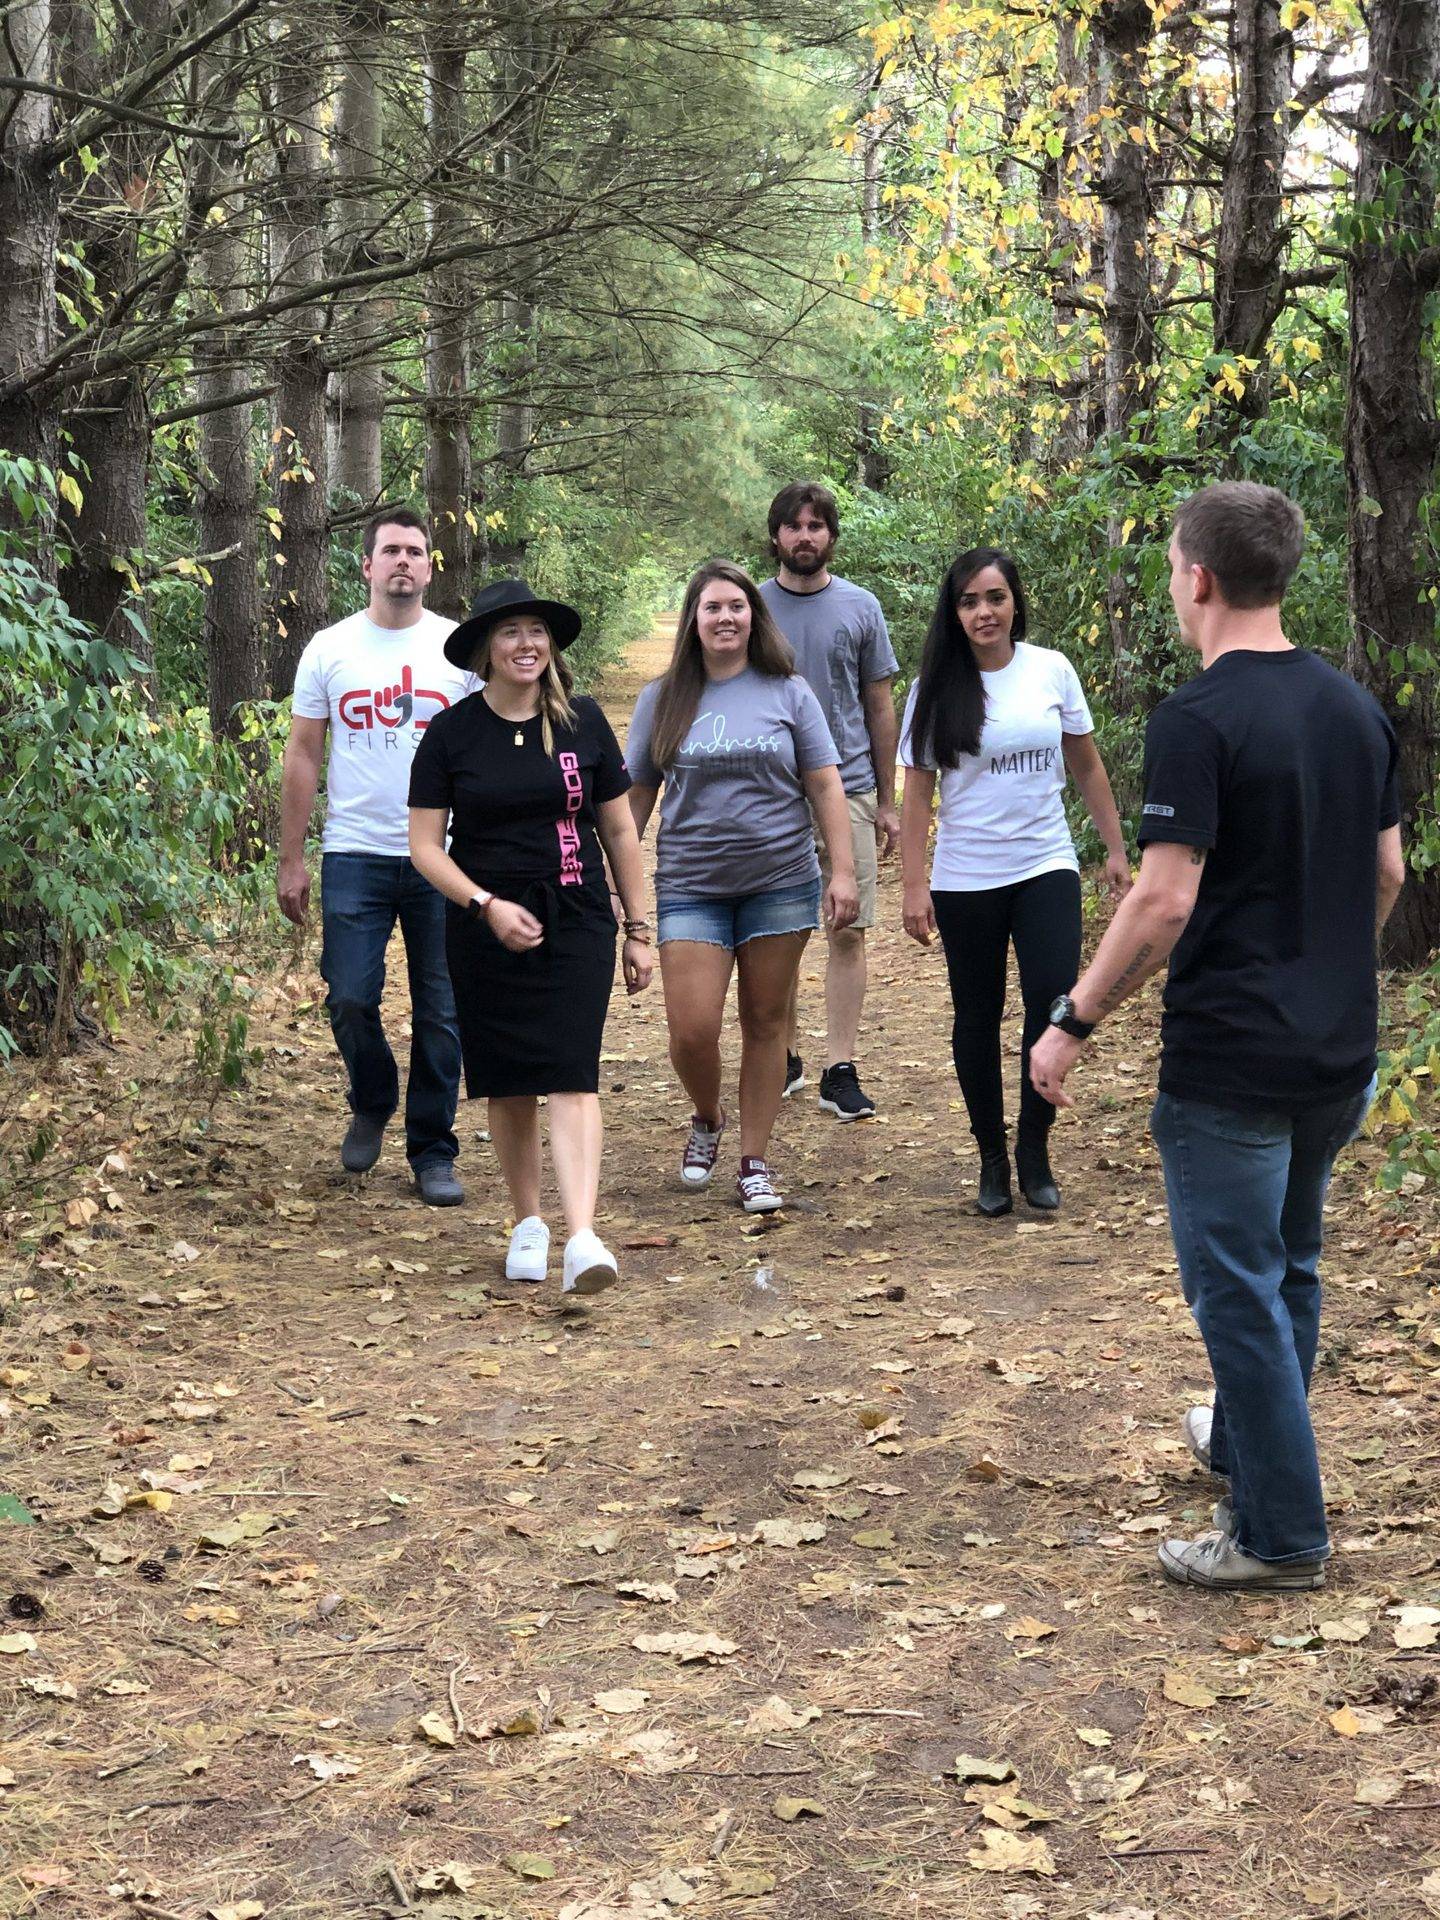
(373, 682)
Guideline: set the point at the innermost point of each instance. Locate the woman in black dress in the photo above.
(529, 781)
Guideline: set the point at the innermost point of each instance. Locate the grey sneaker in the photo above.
(1196, 1428)
(438, 1184)
(1215, 1561)
(360, 1148)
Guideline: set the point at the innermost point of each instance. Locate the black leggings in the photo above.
(1042, 917)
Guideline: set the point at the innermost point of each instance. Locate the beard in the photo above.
(807, 564)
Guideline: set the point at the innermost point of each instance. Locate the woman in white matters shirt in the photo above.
(1000, 723)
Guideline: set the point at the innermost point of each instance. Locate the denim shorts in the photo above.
(743, 916)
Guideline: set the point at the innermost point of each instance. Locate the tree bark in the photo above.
(449, 474)
(1124, 29)
(1391, 434)
(109, 426)
(357, 391)
(518, 60)
(299, 595)
(1065, 180)
(1250, 245)
(872, 463)
(227, 505)
(29, 234)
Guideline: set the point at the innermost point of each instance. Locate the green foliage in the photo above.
(118, 855)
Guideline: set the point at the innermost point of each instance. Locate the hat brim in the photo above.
(564, 624)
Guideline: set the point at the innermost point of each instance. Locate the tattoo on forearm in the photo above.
(1126, 981)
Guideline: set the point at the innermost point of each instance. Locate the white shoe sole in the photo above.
(590, 1280)
(794, 1087)
(531, 1270)
(697, 1179)
(771, 1203)
(829, 1106)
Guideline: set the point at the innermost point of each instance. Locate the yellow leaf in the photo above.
(1186, 1691)
(437, 1729)
(1345, 1723)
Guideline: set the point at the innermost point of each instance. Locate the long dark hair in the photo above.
(683, 681)
(950, 695)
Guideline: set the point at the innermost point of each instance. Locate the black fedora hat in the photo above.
(500, 600)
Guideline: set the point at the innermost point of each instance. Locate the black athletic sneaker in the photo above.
(794, 1075)
(842, 1094)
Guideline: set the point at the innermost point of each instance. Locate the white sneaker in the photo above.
(529, 1253)
(1196, 1428)
(589, 1264)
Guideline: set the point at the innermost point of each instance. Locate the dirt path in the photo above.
(701, 1591)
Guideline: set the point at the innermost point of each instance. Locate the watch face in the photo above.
(1061, 1009)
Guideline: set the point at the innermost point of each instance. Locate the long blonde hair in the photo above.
(557, 710)
(683, 681)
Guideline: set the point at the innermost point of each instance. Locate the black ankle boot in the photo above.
(994, 1196)
(1032, 1163)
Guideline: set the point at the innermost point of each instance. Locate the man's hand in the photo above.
(887, 830)
(292, 888)
(1051, 1058)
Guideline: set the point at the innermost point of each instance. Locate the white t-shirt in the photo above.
(1001, 814)
(379, 687)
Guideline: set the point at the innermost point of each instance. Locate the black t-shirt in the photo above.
(517, 814)
(1286, 771)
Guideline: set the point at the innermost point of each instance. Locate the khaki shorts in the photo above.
(867, 859)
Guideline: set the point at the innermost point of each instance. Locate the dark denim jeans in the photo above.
(1246, 1193)
(362, 895)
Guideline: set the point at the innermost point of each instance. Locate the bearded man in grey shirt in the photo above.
(842, 648)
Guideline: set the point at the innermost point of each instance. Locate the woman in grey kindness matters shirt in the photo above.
(737, 740)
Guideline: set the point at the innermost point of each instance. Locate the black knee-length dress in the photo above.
(522, 826)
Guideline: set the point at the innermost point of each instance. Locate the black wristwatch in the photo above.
(1063, 1015)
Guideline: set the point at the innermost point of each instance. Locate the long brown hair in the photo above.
(683, 681)
(556, 708)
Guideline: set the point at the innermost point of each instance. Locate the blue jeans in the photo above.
(1246, 1193)
(362, 895)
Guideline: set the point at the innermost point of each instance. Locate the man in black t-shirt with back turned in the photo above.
(1270, 856)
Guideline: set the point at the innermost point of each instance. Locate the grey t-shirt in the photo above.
(841, 644)
(733, 817)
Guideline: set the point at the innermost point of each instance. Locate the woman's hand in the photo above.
(637, 963)
(842, 902)
(918, 914)
(1118, 877)
(513, 926)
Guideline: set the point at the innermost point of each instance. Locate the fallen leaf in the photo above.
(18, 1643)
(452, 1876)
(659, 1592)
(329, 1766)
(1002, 1852)
(1104, 1785)
(1378, 1790)
(685, 1647)
(238, 1910)
(787, 1533)
(1346, 1723)
(530, 1866)
(1344, 1630)
(776, 1715)
(1027, 1627)
(874, 1539)
(969, 1767)
(437, 1729)
(47, 1685)
(1094, 1736)
(748, 1883)
(621, 1700)
(656, 1752)
(820, 1478)
(1185, 1690)
(788, 1808)
(1415, 1626)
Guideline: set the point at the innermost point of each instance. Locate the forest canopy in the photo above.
(588, 282)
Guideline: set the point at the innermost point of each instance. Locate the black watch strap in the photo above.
(1064, 1016)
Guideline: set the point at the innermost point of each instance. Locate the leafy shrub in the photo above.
(119, 828)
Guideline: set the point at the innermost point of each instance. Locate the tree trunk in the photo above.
(518, 60)
(1391, 435)
(299, 595)
(1250, 246)
(1124, 28)
(227, 508)
(357, 391)
(448, 469)
(29, 234)
(1063, 185)
(872, 464)
(110, 438)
